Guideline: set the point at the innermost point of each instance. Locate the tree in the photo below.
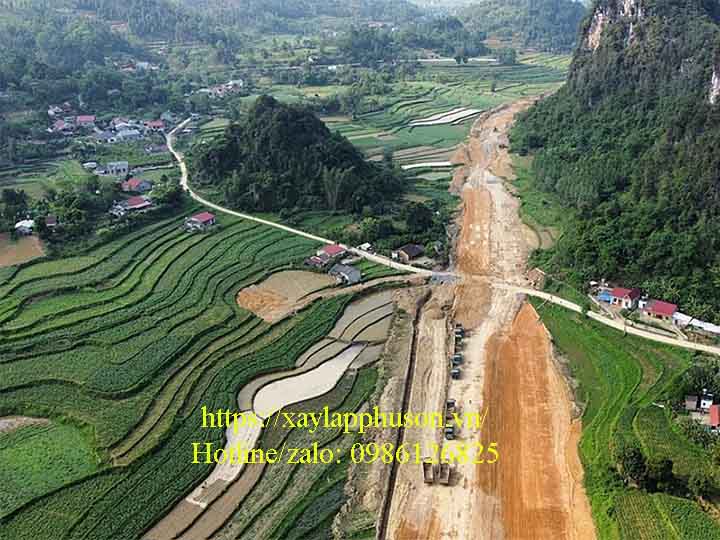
(700, 482)
(632, 464)
(660, 475)
(507, 56)
(419, 218)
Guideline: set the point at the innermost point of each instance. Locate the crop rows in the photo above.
(620, 379)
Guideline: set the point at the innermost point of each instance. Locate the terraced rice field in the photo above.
(323, 375)
(424, 120)
(120, 348)
(620, 379)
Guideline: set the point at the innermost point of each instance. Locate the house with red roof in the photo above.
(139, 202)
(658, 309)
(200, 222)
(137, 185)
(625, 298)
(85, 120)
(62, 127)
(133, 204)
(715, 416)
(332, 251)
(155, 125)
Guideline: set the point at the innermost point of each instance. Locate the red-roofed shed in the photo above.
(137, 203)
(661, 310)
(200, 221)
(332, 251)
(715, 416)
(85, 120)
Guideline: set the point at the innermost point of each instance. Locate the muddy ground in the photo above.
(534, 491)
(26, 248)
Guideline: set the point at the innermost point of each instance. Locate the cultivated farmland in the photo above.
(620, 379)
(126, 343)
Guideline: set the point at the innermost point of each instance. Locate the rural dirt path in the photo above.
(535, 489)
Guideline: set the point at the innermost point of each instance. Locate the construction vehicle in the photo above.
(450, 433)
(428, 471)
(457, 359)
(444, 476)
(455, 373)
(450, 404)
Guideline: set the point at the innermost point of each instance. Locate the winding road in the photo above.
(184, 182)
(379, 259)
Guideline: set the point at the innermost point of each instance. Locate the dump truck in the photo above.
(428, 471)
(455, 373)
(444, 476)
(457, 359)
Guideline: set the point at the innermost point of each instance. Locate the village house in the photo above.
(138, 185)
(25, 227)
(105, 137)
(348, 275)
(62, 127)
(132, 205)
(408, 252)
(51, 221)
(706, 401)
(85, 121)
(117, 168)
(658, 309)
(200, 222)
(714, 416)
(692, 403)
(156, 126)
(318, 261)
(620, 296)
(125, 135)
(333, 251)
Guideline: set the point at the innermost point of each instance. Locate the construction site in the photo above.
(482, 349)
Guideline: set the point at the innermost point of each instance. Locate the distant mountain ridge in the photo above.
(550, 25)
(631, 143)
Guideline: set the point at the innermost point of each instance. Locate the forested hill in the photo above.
(283, 158)
(550, 25)
(631, 142)
(197, 19)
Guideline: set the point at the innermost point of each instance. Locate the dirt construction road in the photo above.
(534, 491)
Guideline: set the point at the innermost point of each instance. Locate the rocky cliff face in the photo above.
(656, 46)
(626, 12)
(714, 86)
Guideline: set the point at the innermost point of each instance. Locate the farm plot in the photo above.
(146, 331)
(321, 372)
(273, 298)
(39, 458)
(619, 379)
(22, 250)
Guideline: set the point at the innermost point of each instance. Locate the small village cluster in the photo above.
(338, 261)
(653, 309)
(704, 409)
(118, 130)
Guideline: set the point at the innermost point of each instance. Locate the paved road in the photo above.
(607, 321)
(170, 138)
(414, 270)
